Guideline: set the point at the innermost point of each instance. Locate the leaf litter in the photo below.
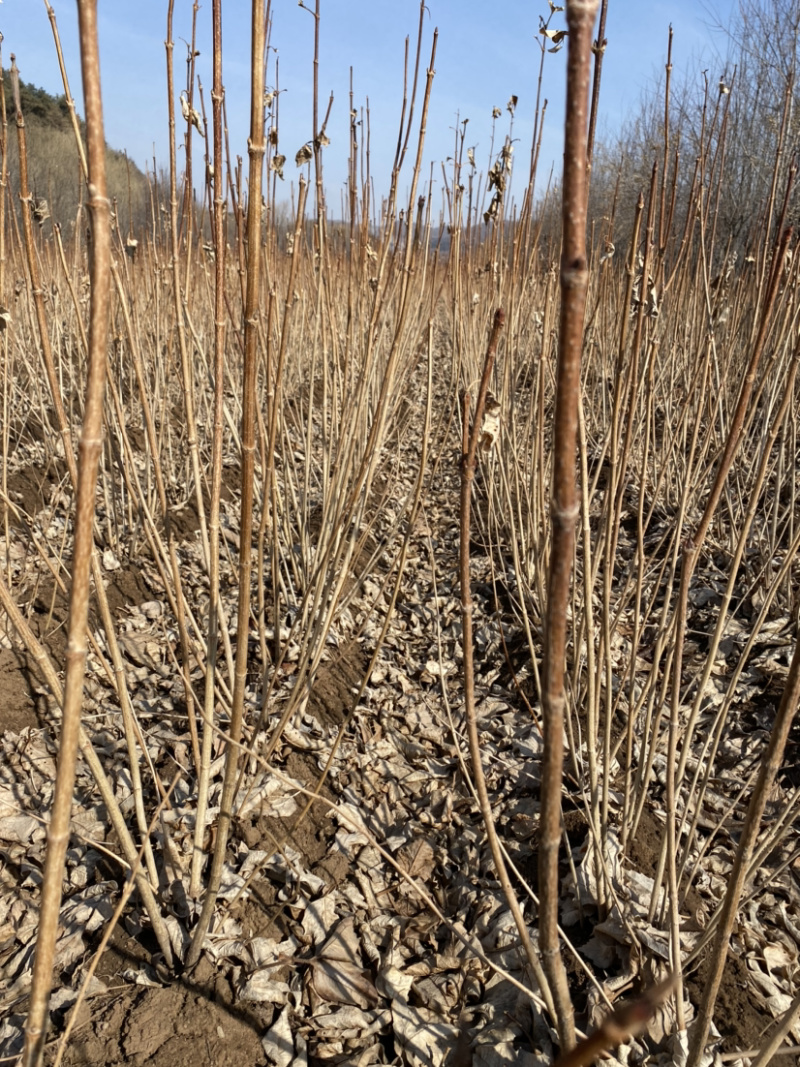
(356, 966)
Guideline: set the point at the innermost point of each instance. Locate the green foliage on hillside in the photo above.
(38, 106)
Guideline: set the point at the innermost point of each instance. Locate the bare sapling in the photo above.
(73, 115)
(179, 296)
(212, 635)
(768, 772)
(565, 508)
(691, 552)
(133, 736)
(256, 149)
(88, 458)
(599, 50)
(469, 462)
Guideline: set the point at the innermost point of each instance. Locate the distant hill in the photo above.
(53, 165)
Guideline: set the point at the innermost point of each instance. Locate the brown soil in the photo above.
(645, 846)
(48, 612)
(48, 608)
(262, 915)
(38, 430)
(364, 548)
(644, 850)
(332, 693)
(199, 1019)
(527, 861)
(127, 588)
(186, 520)
(30, 488)
(18, 700)
(180, 1025)
(137, 437)
(737, 1016)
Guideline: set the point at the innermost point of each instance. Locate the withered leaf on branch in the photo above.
(497, 178)
(189, 113)
(304, 155)
(556, 36)
(492, 211)
(491, 424)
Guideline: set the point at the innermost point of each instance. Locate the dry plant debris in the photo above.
(346, 954)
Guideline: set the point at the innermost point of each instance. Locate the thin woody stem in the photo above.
(564, 507)
(89, 454)
(468, 464)
(256, 149)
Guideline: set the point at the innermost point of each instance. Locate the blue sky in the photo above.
(486, 52)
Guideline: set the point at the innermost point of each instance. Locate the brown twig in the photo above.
(256, 149)
(599, 49)
(618, 1027)
(212, 635)
(89, 455)
(770, 765)
(691, 553)
(564, 507)
(469, 462)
